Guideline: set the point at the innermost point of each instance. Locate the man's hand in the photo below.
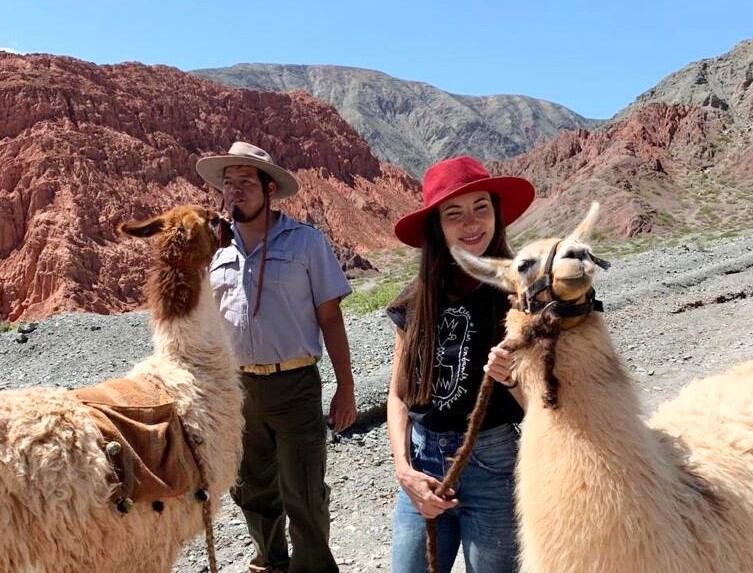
(342, 409)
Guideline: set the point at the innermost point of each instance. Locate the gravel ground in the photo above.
(674, 313)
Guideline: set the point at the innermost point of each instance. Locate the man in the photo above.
(279, 288)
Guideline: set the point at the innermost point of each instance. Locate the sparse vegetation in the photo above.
(665, 218)
(521, 239)
(369, 297)
(397, 267)
(724, 139)
(6, 326)
(681, 234)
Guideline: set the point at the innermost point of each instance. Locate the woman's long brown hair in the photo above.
(421, 302)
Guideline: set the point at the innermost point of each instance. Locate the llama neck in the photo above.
(195, 339)
(592, 452)
(595, 390)
(598, 405)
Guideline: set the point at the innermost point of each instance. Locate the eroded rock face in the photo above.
(85, 147)
(678, 159)
(664, 168)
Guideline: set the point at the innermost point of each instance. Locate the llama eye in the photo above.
(525, 265)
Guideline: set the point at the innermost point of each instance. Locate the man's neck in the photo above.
(252, 232)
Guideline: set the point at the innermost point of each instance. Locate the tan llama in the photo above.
(56, 483)
(598, 489)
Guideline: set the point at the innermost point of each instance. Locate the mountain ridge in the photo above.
(410, 123)
(676, 160)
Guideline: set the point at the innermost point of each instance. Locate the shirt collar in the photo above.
(283, 223)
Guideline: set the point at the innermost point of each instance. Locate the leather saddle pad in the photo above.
(154, 460)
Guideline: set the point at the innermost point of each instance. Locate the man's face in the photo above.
(243, 192)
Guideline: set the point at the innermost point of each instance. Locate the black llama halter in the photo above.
(561, 308)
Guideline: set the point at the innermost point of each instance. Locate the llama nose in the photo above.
(575, 253)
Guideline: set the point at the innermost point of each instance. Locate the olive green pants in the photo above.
(282, 472)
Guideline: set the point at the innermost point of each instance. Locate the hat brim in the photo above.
(515, 196)
(212, 169)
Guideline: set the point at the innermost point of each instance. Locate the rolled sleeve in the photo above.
(328, 281)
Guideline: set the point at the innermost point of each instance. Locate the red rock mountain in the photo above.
(84, 147)
(679, 159)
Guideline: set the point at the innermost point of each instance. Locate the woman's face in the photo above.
(468, 221)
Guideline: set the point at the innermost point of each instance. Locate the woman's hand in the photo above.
(420, 489)
(499, 364)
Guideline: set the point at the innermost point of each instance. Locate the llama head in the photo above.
(187, 236)
(571, 275)
(186, 239)
(552, 282)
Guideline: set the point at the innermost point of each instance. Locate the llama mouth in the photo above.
(573, 277)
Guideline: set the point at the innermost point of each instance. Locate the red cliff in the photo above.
(84, 147)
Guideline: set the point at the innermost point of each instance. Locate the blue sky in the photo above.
(592, 56)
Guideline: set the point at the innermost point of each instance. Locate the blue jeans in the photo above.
(484, 520)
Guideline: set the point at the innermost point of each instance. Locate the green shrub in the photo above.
(365, 300)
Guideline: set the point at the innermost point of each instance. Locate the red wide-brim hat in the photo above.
(456, 176)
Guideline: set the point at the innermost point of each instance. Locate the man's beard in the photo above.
(241, 217)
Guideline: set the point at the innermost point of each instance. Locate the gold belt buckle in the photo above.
(267, 369)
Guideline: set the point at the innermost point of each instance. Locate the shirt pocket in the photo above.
(225, 278)
(284, 269)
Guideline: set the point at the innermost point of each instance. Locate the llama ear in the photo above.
(485, 269)
(582, 232)
(142, 229)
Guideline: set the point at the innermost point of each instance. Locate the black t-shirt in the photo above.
(467, 328)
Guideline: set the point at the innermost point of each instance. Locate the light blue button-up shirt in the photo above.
(301, 273)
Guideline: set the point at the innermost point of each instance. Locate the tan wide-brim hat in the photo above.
(212, 168)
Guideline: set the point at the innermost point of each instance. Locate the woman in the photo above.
(447, 326)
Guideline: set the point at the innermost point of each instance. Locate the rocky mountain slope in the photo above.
(679, 158)
(414, 124)
(84, 147)
(722, 82)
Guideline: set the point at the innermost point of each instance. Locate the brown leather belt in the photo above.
(266, 369)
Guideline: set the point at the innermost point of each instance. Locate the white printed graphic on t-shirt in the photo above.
(454, 329)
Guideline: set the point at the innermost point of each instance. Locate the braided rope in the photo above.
(544, 329)
(203, 496)
(459, 462)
